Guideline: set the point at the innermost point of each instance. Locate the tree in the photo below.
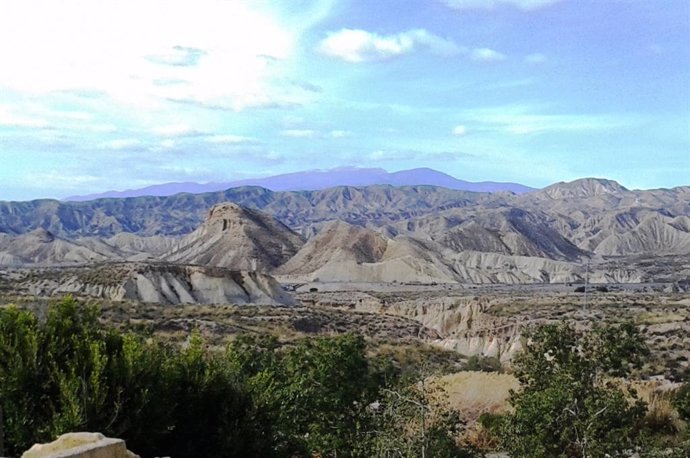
(323, 387)
(569, 405)
(73, 373)
(414, 421)
(19, 379)
(259, 398)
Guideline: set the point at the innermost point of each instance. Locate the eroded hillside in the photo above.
(589, 229)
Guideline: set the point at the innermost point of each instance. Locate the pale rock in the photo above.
(81, 445)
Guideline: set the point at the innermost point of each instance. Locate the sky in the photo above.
(121, 94)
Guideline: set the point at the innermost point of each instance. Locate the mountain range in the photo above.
(377, 233)
(320, 179)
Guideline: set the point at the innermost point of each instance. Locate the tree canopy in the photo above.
(257, 398)
(569, 404)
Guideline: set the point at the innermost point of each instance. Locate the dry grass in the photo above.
(661, 417)
(473, 393)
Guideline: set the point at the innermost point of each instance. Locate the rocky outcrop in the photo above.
(487, 268)
(238, 238)
(463, 324)
(159, 283)
(81, 445)
(655, 235)
(42, 247)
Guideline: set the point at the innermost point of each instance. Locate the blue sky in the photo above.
(122, 94)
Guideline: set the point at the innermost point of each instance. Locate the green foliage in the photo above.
(491, 422)
(313, 398)
(568, 406)
(19, 380)
(415, 417)
(324, 385)
(71, 373)
(483, 364)
(681, 401)
(681, 450)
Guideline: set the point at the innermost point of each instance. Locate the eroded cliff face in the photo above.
(491, 320)
(465, 326)
(461, 324)
(158, 283)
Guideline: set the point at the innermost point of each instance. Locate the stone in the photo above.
(81, 445)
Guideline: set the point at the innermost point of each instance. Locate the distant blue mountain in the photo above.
(321, 179)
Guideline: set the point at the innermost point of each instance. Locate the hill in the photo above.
(239, 238)
(375, 233)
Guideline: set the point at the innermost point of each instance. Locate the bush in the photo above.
(71, 373)
(681, 401)
(258, 399)
(482, 364)
(566, 406)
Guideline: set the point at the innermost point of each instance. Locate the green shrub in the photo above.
(71, 373)
(566, 406)
(681, 401)
(482, 364)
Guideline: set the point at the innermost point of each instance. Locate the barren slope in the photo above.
(155, 283)
(341, 252)
(42, 247)
(238, 238)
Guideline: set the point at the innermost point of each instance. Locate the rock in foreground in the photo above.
(81, 445)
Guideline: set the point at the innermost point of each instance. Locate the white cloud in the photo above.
(459, 130)
(226, 53)
(408, 155)
(176, 130)
(486, 55)
(35, 115)
(272, 157)
(525, 120)
(536, 58)
(8, 119)
(179, 56)
(339, 134)
(355, 45)
(123, 143)
(168, 144)
(229, 139)
(98, 128)
(525, 5)
(298, 133)
(58, 179)
(382, 155)
(37, 109)
(185, 170)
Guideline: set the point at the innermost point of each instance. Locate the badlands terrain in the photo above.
(451, 272)
(560, 234)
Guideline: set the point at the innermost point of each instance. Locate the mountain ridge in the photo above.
(314, 180)
(376, 233)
